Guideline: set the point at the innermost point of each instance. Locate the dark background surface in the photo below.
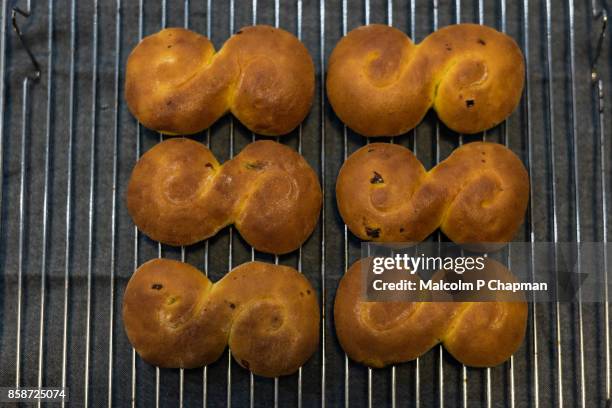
(96, 237)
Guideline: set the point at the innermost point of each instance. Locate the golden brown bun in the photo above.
(478, 334)
(268, 314)
(179, 194)
(176, 84)
(479, 194)
(381, 84)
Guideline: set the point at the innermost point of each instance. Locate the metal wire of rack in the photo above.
(67, 145)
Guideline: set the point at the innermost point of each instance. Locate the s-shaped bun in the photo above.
(478, 334)
(477, 196)
(176, 84)
(267, 314)
(381, 84)
(179, 194)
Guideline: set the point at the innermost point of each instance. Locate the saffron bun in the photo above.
(477, 334)
(380, 83)
(179, 194)
(175, 317)
(477, 196)
(177, 84)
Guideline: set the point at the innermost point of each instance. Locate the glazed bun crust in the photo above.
(177, 84)
(381, 84)
(179, 194)
(268, 314)
(478, 195)
(477, 334)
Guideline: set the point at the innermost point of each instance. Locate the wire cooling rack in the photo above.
(68, 247)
